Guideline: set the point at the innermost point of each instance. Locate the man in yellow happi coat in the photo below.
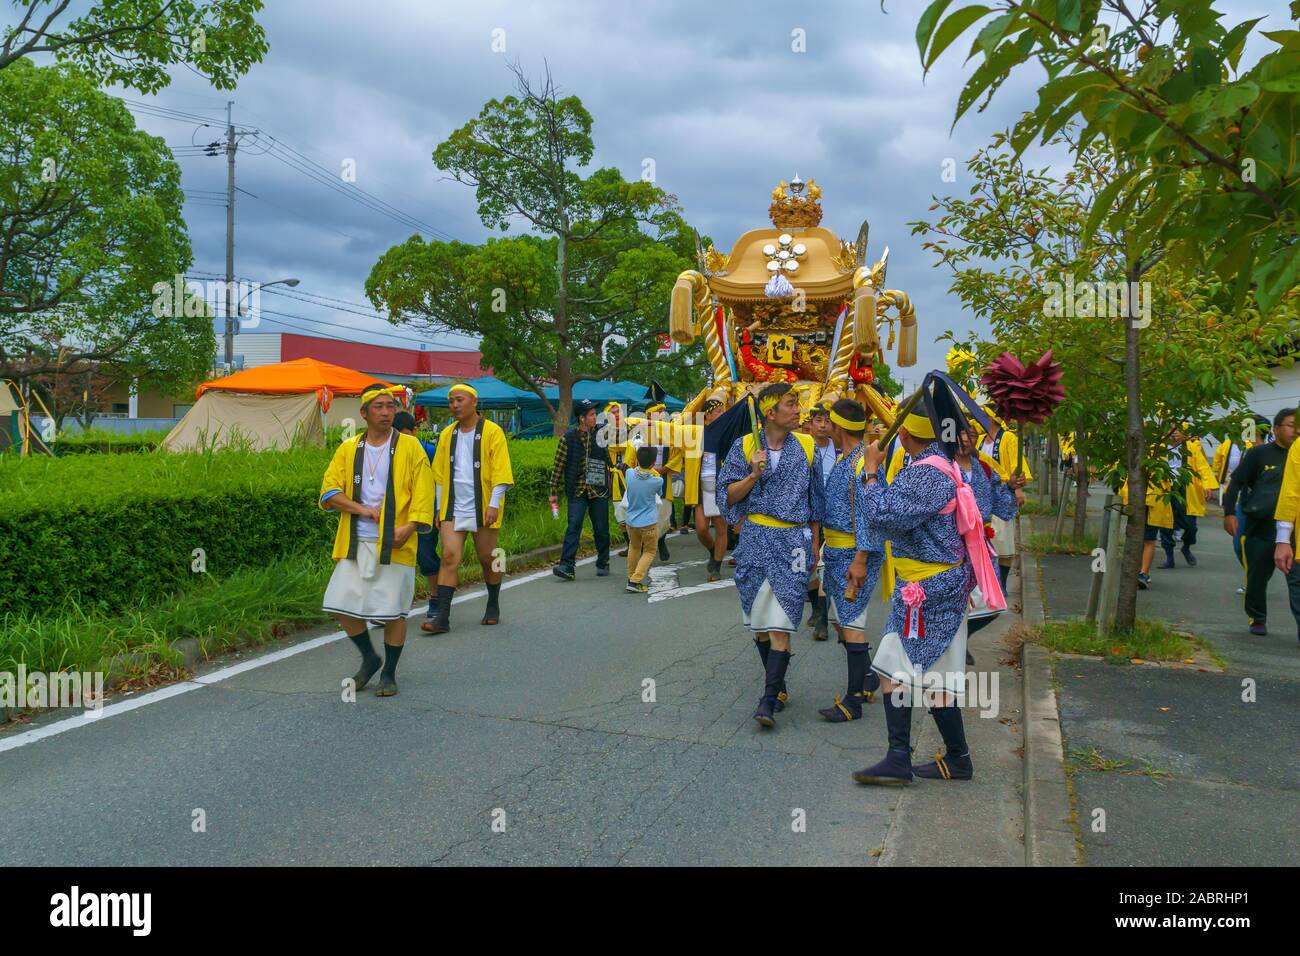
(1287, 513)
(471, 474)
(379, 481)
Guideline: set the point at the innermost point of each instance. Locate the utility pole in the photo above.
(230, 240)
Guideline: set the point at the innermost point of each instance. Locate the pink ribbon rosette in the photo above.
(913, 596)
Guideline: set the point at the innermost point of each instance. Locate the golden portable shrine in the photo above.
(794, 303)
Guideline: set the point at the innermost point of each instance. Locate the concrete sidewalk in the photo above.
(1177, 765)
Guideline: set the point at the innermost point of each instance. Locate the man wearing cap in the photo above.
(767, 481)
(582, 468)
(471, 474)
(380, 483)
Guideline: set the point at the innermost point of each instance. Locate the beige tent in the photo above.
(261, 421)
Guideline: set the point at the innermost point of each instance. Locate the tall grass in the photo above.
(247, 607)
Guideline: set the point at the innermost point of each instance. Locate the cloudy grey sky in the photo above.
(713, 93)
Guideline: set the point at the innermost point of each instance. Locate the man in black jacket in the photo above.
(582, 467)
(1258, 479)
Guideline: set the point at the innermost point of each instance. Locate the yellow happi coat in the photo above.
(1219, 463)
(1160, 513)
(684, 443)
(1160, 509)
(1203, 477)
(494, 457)
(1288, 499)
(410, 500)
(1007, 447)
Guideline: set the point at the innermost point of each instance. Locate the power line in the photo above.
(200, 276)
(329, 181)
(311, 299)
(306, 159)
(269, 202)
(439, 347)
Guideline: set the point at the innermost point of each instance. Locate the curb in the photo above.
(1049, 831)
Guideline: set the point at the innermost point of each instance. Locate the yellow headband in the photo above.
(375, 391)
(613, 406)
(847, 423)
(462, 387)
(657, 407)
(918, 426)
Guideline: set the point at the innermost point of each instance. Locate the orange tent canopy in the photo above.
(292, 378)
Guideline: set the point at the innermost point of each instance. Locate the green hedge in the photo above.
(103, 532)
(98, 441)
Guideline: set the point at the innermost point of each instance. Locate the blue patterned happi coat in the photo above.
(820, 454)
(788, 492)
(992, 494)
(837, 560)
(907, 513)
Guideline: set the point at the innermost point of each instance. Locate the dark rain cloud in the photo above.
(712, 93)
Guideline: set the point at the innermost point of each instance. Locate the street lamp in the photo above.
(239, 310)
(289, 282)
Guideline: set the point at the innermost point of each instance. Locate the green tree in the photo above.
(90, 222)
(885, 380)
(580, 297)
(1208, 168)
(1023, 259)
(133, 42)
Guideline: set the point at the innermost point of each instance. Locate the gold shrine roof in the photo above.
(820, 276)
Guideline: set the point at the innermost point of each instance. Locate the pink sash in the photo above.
(970, 525)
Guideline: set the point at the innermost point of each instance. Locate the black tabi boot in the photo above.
(442, 623)
(1187, 554)
(388, 676)
(370, 661)
(821, 608)
(871, 682)
(896, 768)
(777, 662)
(849, 707)
(764, 648)
(956, 763)
(1004, 572)
(715, 568)
(493, 612)
(1169, 560)
(663, 550)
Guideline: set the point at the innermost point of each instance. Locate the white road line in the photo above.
(668, 595)
(183, 687)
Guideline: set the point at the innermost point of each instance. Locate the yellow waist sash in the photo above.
(909, 569)
(770, 522)
(838, 539)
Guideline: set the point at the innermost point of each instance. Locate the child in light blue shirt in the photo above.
(642, 501)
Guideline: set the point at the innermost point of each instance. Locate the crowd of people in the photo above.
(821, 511)
(820, 514)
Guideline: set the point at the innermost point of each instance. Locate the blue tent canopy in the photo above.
(635, 396)
(492, 393)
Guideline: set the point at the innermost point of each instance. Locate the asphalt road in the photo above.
(1228, 788)
(525, 743)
